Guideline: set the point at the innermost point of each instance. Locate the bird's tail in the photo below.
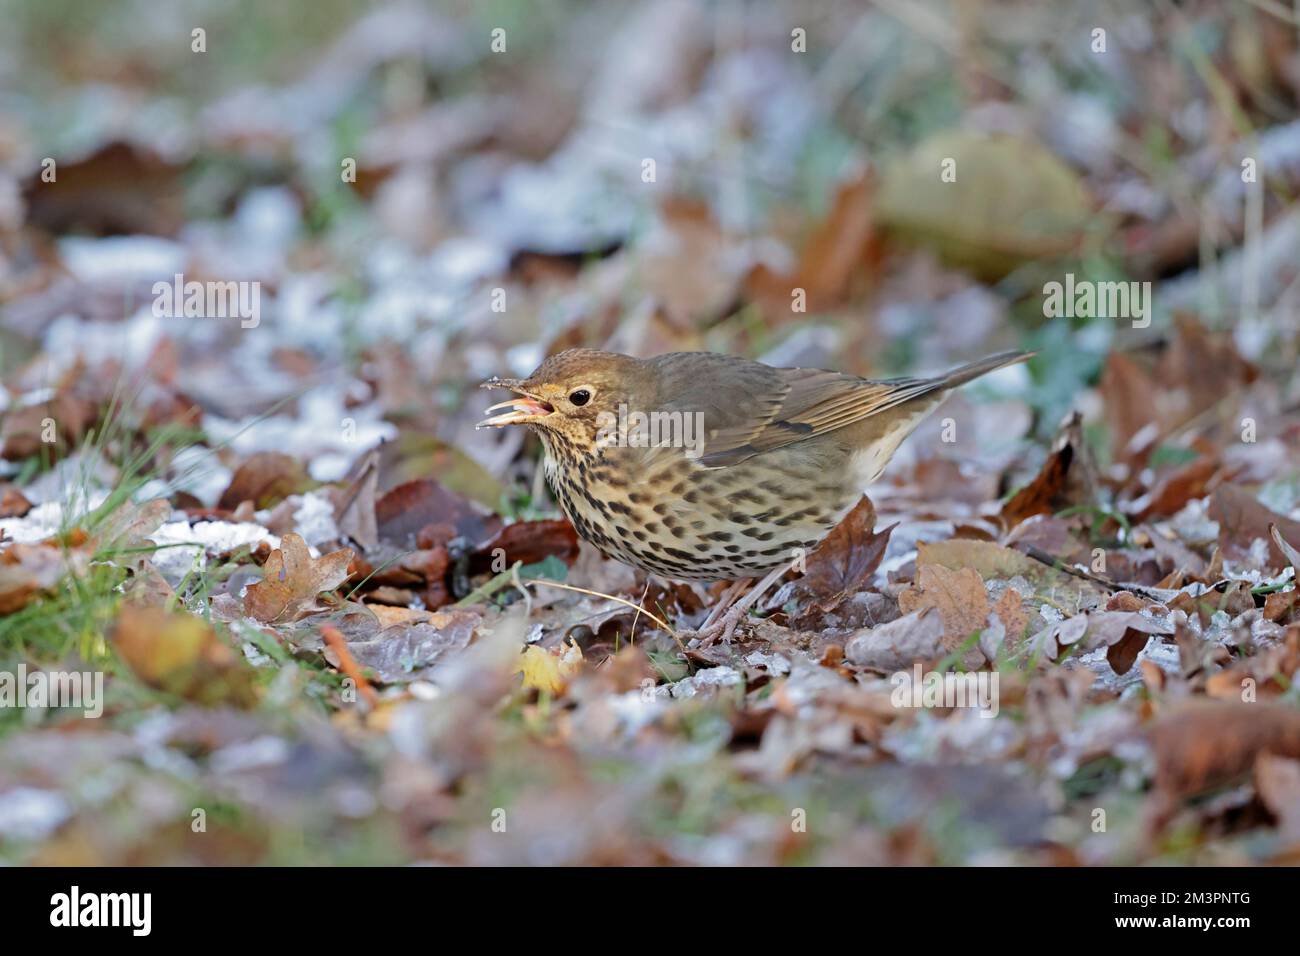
(973, 370)
(929, 392)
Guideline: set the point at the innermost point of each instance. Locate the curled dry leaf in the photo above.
(1176, 489)
(1065, 479)
(1123, 633)
(292, 579)
(354, 503)
(846, 559)
(1291, 554)
(1242, 519)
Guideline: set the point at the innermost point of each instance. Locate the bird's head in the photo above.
(572, 394)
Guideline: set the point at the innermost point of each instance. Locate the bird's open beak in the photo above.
(524, 409)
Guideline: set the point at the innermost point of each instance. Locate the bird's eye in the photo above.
(580, 396)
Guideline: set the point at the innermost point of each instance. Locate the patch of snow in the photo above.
(776, 664)
(182, 545)
(324, 424)
(265, 751)
(139, 257)
(634, 711)
(37, 525)
(314, 519)
(27, 813)
(709, 678)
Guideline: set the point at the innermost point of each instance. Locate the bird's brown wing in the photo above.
(749, 408)
(802, 403)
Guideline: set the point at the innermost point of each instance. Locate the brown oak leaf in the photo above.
(958, 596)
(292, 579)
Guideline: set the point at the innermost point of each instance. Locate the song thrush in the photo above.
(700, 466)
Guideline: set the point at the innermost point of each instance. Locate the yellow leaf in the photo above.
(550, 670)
(181, 654)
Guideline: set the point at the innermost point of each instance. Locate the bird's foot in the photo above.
(722, 626)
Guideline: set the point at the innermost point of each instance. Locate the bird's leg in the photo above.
(725, 601)
(725, 626)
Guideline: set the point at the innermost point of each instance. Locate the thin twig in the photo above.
(347, 663)
(1038, 554)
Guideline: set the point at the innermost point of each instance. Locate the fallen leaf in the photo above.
(1123, 633)
(181, 654)
(406, 510)
(410, 650)
(121, 187)
(416, 453)
(1012, 201)
(959, 597)
(390, 616)
(1054, 638)
(265, 478)
(995, 562)
(341, 657)
(549, 670)
(1278, 781)
(529, 542)
(1010, 609)
(13, 503)
(846, 559)
(1176, 489)
(1129, 391)
(354, 504)
(1065, 479)
(1204, 745)
(292, 579)
(1288, 551)
(896, 645)
(29, 570)
(1242, 519)
(129, 525)
(26, 427)
(839, 247)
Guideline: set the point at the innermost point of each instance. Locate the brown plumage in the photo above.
(749, 463)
